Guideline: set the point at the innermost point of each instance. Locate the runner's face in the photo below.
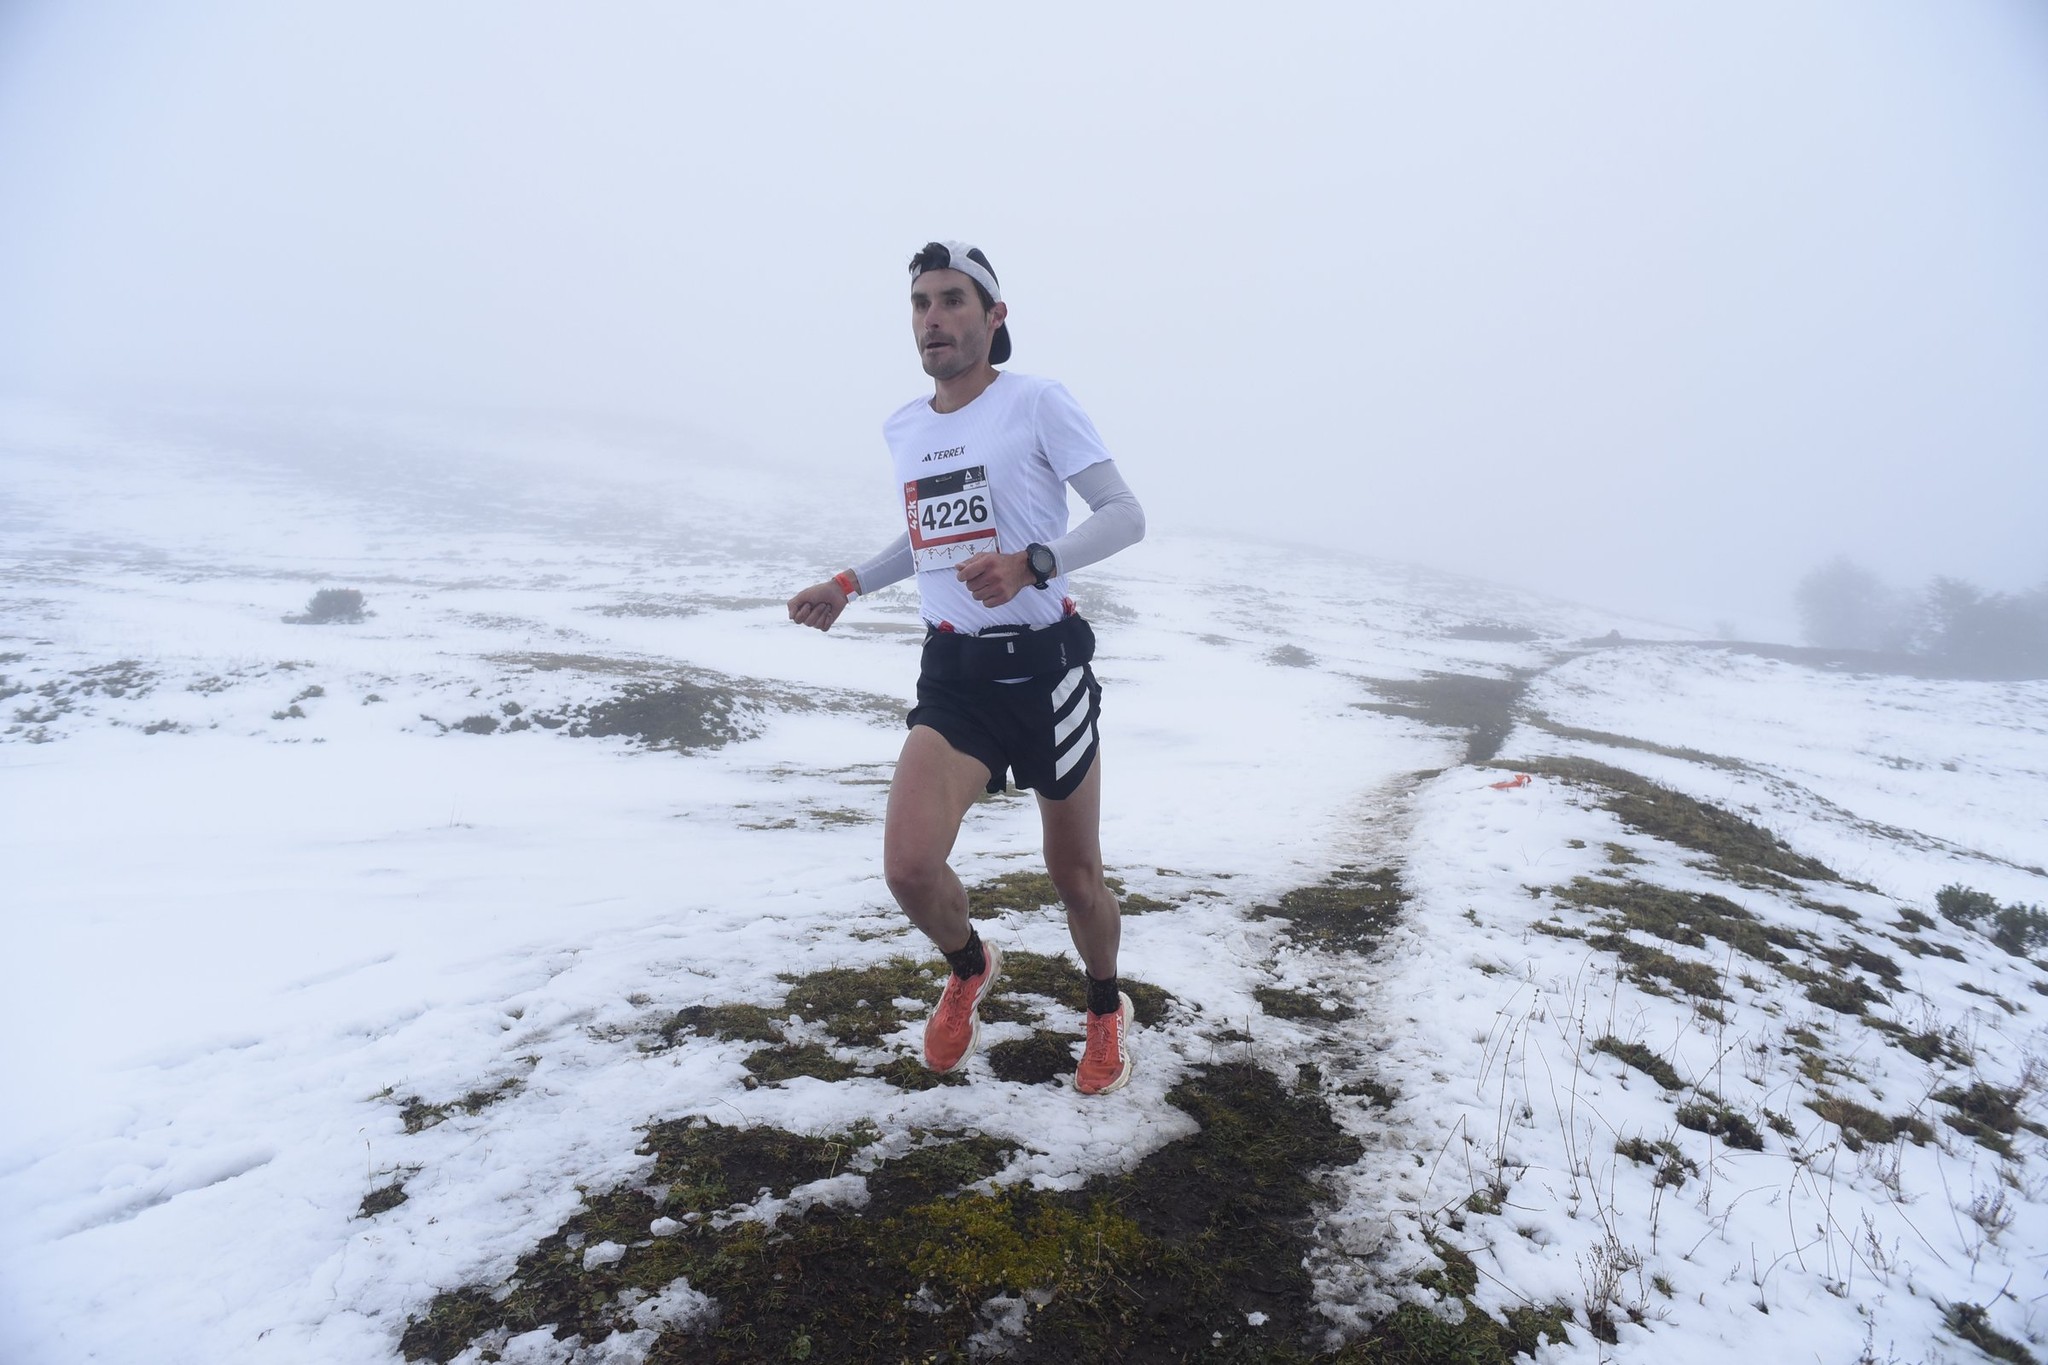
(947, 321)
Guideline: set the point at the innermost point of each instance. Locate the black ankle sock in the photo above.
(969, 960)
(1102, 996)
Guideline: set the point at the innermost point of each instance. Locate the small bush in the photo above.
(2018, 929)
(343, 606)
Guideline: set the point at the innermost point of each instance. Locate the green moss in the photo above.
(1351, 910)
(1744, 851)
(1414, 1334)
(1019, 891)
(450, 1323)
(1030, 891)
(944, 1161)
(1457, 1275)
(1299, 1005)
(1642, 1059)
(1163, 1261)
(1061, 980)
(772, 1064)
(974, 1246)
(857, 1005)
(731, 1023)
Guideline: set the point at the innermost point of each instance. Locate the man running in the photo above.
(983, 465)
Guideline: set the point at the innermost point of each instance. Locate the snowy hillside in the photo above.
(506, 974)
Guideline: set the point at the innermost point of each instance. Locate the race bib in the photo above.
(951, 517)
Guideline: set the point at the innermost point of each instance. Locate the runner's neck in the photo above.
(951, 395)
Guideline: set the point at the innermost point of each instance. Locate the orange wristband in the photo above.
(846, 582)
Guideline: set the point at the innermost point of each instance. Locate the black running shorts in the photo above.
(1043, 729)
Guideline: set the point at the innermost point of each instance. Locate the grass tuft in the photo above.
(1642, 1059)
(1988, 1113)
(1744, 852)
(1716, 1119)
(417, 1115)
(1861, 1124)
(1663, 1156)
(1683, 917)
(1972, 1322)
(382, 1199)
(1351, 910)
(771, 1064)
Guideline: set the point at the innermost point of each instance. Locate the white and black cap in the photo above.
(972, 262)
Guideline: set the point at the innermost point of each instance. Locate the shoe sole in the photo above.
(988, 983)
(1125, 1009)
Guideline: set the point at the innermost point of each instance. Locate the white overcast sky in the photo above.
(1651, 305)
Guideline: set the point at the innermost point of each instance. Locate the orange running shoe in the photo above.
(1106, 1060)
(954, 1030)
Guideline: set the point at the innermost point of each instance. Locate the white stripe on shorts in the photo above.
(1066, 688)
(1076, 718)
(1075, 754)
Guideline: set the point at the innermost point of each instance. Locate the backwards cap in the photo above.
(972, 262)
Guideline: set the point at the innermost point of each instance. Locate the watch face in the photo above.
(1041, 561)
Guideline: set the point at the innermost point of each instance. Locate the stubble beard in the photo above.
(950, 363)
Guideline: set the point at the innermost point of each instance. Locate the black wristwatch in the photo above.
(1041, 561)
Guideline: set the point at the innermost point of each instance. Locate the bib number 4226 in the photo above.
(951, 516)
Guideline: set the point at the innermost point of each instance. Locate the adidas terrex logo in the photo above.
(945, 454)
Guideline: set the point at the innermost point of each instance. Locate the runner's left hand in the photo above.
(996, 578)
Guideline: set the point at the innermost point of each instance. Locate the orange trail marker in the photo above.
(1518, 780)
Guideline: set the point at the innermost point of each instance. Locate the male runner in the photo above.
(983, 466)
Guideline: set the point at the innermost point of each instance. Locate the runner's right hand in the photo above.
(818, 605)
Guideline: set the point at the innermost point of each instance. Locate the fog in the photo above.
(1653, 307)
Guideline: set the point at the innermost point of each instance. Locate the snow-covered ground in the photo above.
(266, 882)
